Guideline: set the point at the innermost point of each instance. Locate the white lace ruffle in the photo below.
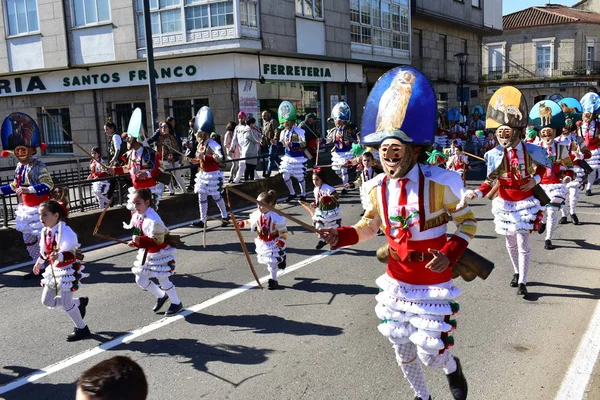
(159, 264)
(293, 166)
(556, 192)
(100, 187)
(515, 216)
(27, 220)
(340, 158)
(269, 252)
(210, 183)
(63, 278)
(329, 219)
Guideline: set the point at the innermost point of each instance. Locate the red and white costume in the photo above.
(458, 163)
(590, 132)
(99, 188)
(148, 162)
(209, 179)
(578, 152)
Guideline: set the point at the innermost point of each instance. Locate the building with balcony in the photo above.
(82, 61)
(442, 29)
(545, 50)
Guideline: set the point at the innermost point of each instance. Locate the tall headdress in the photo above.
(19, 129)
(286, 112)
(135, 129)
(546, 114)
(590, 102)
(507, 107)
(477, 110)
(341, 112)
(454, 115)
(204, 121)
(571, 107)
(401, 105)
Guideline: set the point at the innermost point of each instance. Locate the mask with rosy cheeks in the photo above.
(24, 154)
(547, 135)
(586, 117)
(506, 136)
(397, 158)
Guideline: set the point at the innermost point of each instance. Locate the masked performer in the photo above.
(589, 130)
(416, 298)
(342, 136)
(293, 162)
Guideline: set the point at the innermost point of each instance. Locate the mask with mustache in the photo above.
(507, 137)
(397, 158)
(547, 135)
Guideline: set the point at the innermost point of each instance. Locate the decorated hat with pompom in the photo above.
(204, 121)
(19, 129)
(286, 112)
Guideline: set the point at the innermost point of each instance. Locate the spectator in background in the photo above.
(249, 149)
(116, 149)
(311, 136)
(216, 137)
(118, 378)
(238, 137)
(190, 152)
(229, 133)
(269, 132)
(167, 144)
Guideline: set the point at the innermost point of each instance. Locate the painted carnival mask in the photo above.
(506, 136)
(547, 135)
(397, 158)
(24, 154)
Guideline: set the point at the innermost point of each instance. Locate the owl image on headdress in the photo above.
(394, 102)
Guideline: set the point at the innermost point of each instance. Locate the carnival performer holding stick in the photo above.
(143, 164)
(272, 236)
(459, 163)
(589, 130)
(516, 168)
(327, 208)
(209, 179)
(97, 171)
(293, 162)
(156, 257)
(32, 182)
(548, 117)
(416, 298)
(63, 277)
(342, 136)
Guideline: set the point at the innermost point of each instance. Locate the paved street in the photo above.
(316, 338)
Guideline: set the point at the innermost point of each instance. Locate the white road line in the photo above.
(128, 337)
(582, 366)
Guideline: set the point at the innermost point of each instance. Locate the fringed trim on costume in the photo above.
(210, 183)
(405, 291)
(556, 192)
(158, 264)
(392, 330)
(433, 323)
(417, 307)
(269, 252)
(436, 221)
(340, 158)
(67, 279)
(385, 314)
(27, 220)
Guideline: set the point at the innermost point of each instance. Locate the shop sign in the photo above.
(573, 84)
(292, 69)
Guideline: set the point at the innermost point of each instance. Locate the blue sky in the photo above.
(510, 6)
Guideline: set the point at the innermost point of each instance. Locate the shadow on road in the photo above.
(311, 285)
(39, 391)
(579, 244)
(264, 324)
(584, 292)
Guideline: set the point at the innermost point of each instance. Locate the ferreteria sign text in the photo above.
(188, 69)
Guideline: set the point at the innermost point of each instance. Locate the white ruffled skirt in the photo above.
(337, 159)
(158, 265)
(417, 313)
(579, 174)
(100, 187)
(66, 279)
(209, 183)
(27, 220)
(594, 161)
(268, 252)
(157, 192)
(328, 219)
(441, 141)
(293, 166)
(556, 192)
(511, 217)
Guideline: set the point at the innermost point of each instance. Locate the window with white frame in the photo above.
(57, 141)
(591, 55)
(248, 13)
(495, 61)
(380, 22)
(22, 16)
(476, 3)
(88, 12)
(544, 58)
(310, 8)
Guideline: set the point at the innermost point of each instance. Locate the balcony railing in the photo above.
(556, 71)
(446, 70)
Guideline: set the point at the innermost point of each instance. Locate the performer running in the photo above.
(416, 298)
(547, 117)
(32, 182)
(459, 163)
(293, 162)
(342, 136)
(156, 257)
(63, 277)
(209, 179)
(589, 130)
(515, 167)
(327, 208)
(272, 236)
(97, 171)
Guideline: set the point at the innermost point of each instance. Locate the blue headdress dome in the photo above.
(454, 115)
(401, 105)
(546, 114)
(590, 102)
(19, 129)
(204, 121)
(341, 112)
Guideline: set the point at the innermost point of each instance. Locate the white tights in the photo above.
(343, 174)
(519, 251)
(203, 203)
(288, 182)
(146, 284)
(551, 221)
(32, 245)
(572, 198)
(65, 301)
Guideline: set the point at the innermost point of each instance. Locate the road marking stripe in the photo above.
(578, 376)
(128, 337)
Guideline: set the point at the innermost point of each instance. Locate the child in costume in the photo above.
(209, 179)
(456, 132)
(272, 236)
(156, 257)
(589, 131)
(342, 136)
(531, 135)
(459, 163)
(515, 167)
(555, 179)
(293, 162)
(327, 208)
(416, 298)
(97, 171)
(58, 246)
(32, 182)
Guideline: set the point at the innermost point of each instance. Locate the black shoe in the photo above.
(198, 224)
(344, 191)
(282, 265)
(588, 192)
(351, 186)
(320, 245)
(273, 284)
(522, 290)
(542, 228)
(514, 282)
(174, 309)
(83, 302)
(458, 382)
(575, 219)
(171, 194)
(563, 220)
(290, 198)
(225, 222)
(362, 213)
(302, 198)
(548, 245)
(160, 302)
(78, 334)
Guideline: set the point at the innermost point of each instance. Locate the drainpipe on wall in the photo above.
(97, 119)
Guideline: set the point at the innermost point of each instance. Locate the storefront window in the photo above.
(56, 139)
(183, 111)
(121, 113)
